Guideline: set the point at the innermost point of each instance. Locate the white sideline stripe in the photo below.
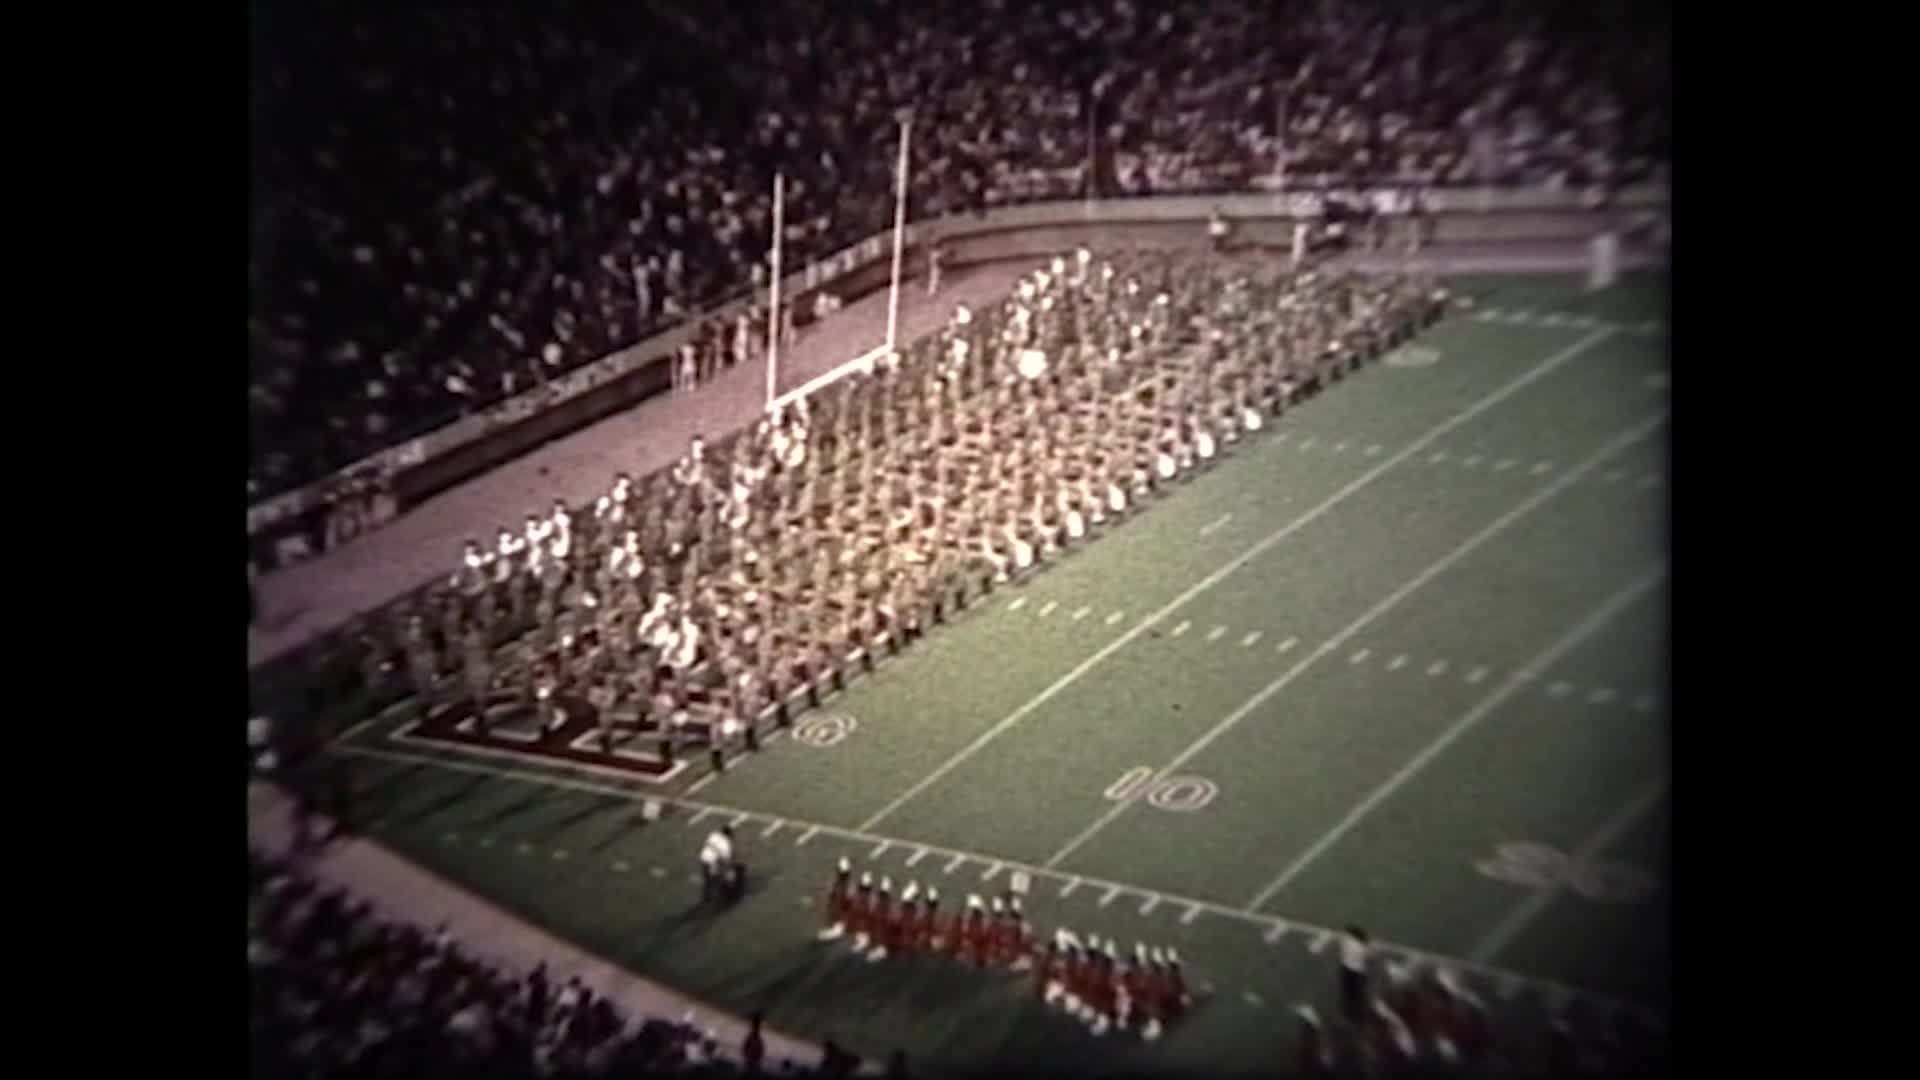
(1515, 386)
(1247, 642)
(1473, 543)
(1213, 525)
(1526, 911)
(1264, 923)
(1553, 653)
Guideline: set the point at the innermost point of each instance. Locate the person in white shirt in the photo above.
(716, 861)
(1356, 955)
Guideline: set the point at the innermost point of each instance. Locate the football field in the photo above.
(1399, 660)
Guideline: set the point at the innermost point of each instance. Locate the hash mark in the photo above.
(773, 828)
(1116, 617)
(559, 854)
(1082, 613)
(1067, 889)
(1252, 998)
(880, 850)
(1152, 902)
(917, 856)
(1340, 448)
(1472, 462)
(697, 818)
(1397, 662)
(1320, 940)
(1110, 894)
(1643, 703)
(1193, 912)
(1182, 628)
(1560, 689)
(1477, 674)
(1247, 642)
(1018, 603)
(1437, 668)
(524, 848)
(486, 841)
(1273, 936)
(1437, 457)
(659, 871)
(1217, 633)
(806, 836)
(1373, 450)
(1306, 443)
(620, 866)
(1600, 696)
(955, 864)
(991, 871)
(1503, 464)
(1540, 467)
(1360, 656)
(1287, 644)
(1047, 608)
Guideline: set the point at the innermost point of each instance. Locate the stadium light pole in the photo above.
(773, 304)
(899, 229)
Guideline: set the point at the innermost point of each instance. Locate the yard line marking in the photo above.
(1082, 613)
(1273, 936)
(1192, 914)
(1107, 897)
(1540, 467)
(1600, 695)
(1247, 642)
(954, 864)
(1567, 642)
(1528, 505)
(1397, 662)
(1437, 432)
(1373, 449)
(806, 836)
(1287, 644)
(991, 871)
(772, 827)
(1360, 656)
(1018, 603)
(879, 850)
(1529, 909)
(1182, 628)
(1320, 941)
(1047, 609)
(1437, 669)
(699, 817)
(1479, 672)
(1560, 689)
(1257, 919)
(1216, 633)
(1067, 889)
(1210, 526)
(1116, 617)
(1152, 902)
(916, 856)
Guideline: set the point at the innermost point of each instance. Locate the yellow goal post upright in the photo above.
(865, 362)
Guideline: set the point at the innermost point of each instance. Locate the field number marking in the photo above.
(1175, 794)
(1540, 866)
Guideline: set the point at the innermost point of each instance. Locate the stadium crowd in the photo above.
(456, 205)
(337, 992)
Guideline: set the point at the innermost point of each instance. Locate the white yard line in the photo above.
(1567, 642)
(1525, 912)
(1473, 543)
(1070, 883)
(1439, 431)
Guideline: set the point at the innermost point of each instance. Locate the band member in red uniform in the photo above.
(880, 922)
(859, 909)
(1101, 997)
(1313, 1055)
(1002, 935)
(1388, 1042)
(969, 939)
(1046, 972)
(1404, 997)
(1024, 945)
(1177, 997)
(933, 931)
(839, 898)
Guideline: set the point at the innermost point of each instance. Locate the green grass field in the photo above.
(1342, 676)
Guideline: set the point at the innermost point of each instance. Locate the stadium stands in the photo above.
(452, 207)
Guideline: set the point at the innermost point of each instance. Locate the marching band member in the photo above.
(1177, 996)
(933, 933)
(859, 913)
(881, 922)
(971, 941)
(1314, 1054)
(1021, 933)
(1046, 972)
